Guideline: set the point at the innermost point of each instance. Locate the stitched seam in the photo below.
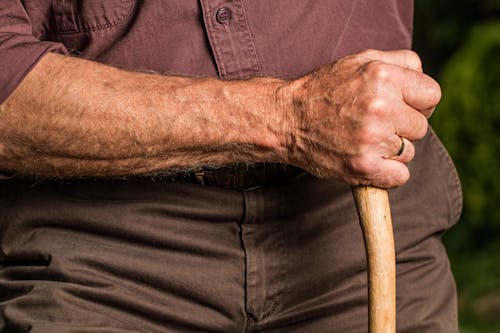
(278, 297)
(246, 324)
(249, 39)
(212, 37)
(95, 27)
(456, 198)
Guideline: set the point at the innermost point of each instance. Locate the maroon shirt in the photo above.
(228, 38)
(225, 38)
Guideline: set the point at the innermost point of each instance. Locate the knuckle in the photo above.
(377, 105)
(378, 70)
(360, 165)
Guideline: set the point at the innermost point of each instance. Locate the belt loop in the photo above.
(199, 176)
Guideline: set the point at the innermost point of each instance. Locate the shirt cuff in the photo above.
(17, 60)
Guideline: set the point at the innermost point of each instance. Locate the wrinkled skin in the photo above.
(347, 118)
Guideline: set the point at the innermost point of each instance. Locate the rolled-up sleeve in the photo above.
(20, 50)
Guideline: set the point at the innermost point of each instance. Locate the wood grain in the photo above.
(375, 219)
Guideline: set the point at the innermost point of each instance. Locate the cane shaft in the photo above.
(375, 219)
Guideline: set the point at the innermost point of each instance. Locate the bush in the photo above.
(468, 122)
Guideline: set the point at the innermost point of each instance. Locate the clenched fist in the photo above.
(349, 120)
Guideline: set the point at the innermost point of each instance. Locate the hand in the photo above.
(347, 119)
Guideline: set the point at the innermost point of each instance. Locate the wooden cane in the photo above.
(375, 219)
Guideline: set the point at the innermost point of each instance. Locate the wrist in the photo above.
(267, 105)
(287, 99)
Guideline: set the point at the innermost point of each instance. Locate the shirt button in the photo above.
(223, 15)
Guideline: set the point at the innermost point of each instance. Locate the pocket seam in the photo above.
(456, 197)
(94, 27)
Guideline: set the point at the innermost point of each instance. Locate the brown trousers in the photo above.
(158, 256)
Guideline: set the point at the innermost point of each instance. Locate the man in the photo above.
(184, 166)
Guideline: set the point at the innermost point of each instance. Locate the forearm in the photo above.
(72, 117)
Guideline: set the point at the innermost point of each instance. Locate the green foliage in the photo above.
(468, 122)
(478, 283)
(440, 27)
(466, 62)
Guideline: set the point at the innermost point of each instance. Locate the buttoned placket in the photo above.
(230, 38)
(236, 58)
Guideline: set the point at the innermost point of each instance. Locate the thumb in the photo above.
(402, 58)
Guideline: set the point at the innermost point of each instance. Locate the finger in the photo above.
(419, 90)
(397, 118)
(395, 174)
(405, 151)
(386, 174)
(410, 123)
(402, 58)
(428, 112)
(376, 171)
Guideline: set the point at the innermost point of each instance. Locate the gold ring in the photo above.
(401, 147)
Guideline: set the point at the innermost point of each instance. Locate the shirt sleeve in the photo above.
(20, 50)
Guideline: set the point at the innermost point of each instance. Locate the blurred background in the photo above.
(459, 42)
